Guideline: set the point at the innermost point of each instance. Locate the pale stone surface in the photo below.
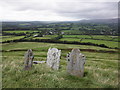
(37, 62)
(75, 63)
(53, 58)
(28, 59)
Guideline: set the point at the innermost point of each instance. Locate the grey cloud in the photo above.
(22, 5)
(77, 10)
(89, 10)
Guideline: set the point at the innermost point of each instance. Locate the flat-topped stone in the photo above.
(53, 58)
(75, 63)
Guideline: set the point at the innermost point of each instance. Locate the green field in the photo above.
(107, 43)
(101, 69)
(7, 38)
(72, 31)
(95, 39)
(99, 37)
(19, 31)
(110, 41)
(76, 36)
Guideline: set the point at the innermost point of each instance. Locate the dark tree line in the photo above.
(56, 28)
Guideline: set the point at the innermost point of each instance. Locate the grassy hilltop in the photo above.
(97, 41)
(101, 69)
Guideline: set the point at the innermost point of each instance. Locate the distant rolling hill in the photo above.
(115, 20)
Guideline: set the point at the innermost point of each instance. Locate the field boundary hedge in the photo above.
(92, 39)
(57, 41)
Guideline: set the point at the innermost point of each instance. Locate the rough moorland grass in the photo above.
(101, 69)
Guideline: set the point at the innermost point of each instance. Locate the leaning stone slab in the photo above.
(37, 62)
(53, 58)
(28, 61)
(75, 63)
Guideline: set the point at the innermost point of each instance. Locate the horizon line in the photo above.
(53, 20)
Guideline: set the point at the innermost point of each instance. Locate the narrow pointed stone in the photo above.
(28, 61)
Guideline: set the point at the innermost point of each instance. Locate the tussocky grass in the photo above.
(101, 69)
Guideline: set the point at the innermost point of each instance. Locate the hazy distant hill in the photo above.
(115, 20)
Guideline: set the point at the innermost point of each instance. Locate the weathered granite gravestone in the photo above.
(53, 58)
(75, 64)
(28, 59)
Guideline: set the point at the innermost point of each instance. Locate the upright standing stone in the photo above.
(75, 64)
(28, 59)
(53, 58)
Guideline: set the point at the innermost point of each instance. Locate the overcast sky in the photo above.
(57, 10)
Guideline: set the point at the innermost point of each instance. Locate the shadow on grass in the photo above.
(85, 74)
